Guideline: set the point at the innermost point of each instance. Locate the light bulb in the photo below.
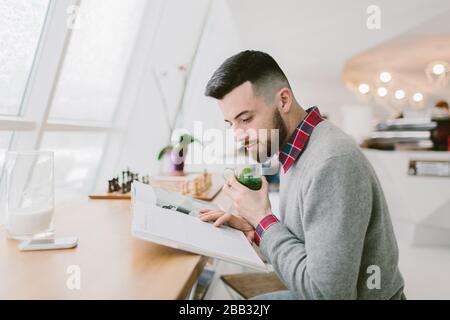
(382, 91)
(438, 69)
(364, 88)
(400, 94)
(385, 77)
(417, 97)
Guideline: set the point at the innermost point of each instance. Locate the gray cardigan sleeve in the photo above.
(336, 206)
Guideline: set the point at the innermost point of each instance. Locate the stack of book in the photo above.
(403, 134)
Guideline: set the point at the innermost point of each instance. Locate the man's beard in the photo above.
(279, 132)
(282, 129)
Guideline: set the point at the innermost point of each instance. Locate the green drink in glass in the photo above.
(250, 175)
(249, 179)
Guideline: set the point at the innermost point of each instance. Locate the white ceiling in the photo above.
(312, 40)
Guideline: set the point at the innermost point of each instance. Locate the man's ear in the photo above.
(285, 100)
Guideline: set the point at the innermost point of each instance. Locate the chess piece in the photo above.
(111, 185)
(116, 184)
(122, 183)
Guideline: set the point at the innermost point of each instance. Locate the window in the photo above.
(77, 157)
(5, 138)
(21, 24)
(89, 89)
(97, 60)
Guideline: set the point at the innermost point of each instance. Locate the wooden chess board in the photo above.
(182, 184)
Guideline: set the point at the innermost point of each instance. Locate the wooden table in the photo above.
(113, 265)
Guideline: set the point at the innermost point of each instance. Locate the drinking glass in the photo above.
(29, 182)
(250, 175)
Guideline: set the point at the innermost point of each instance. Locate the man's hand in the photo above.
(249, 204)
(219, 218)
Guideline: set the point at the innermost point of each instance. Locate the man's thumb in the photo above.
(265, 184)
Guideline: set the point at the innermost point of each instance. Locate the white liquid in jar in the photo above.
(27, 222)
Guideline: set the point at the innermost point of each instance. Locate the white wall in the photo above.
(176, 37)
(220, 40)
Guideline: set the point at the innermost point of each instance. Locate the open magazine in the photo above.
(171, 219)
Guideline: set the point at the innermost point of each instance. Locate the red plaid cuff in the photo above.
(263, 225)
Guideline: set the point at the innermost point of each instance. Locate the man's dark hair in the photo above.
(258, 67)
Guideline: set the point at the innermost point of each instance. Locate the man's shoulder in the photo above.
(330, 152)
(328, 141)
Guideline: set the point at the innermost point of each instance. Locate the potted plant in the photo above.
(177, 154)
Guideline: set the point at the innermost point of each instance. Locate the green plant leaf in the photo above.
(187, 139)
(164, 151)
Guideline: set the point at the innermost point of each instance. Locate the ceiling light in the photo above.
(364, 88)
(417, 97)
(399, 94)
(438, 69)
(382, 91)
(385, 77)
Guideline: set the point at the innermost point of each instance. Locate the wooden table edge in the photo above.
(189, 284)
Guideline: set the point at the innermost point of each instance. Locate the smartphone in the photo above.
(49, 244)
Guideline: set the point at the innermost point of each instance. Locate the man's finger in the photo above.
(209, 212)
(265, 184)
(222, 220)
(211, 216)
(206, 216)
(204, 210)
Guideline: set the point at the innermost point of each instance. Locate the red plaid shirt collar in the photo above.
(293, 149)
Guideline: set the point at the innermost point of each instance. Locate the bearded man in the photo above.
(334, 237)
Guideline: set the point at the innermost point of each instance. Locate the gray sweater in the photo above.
(335, 239)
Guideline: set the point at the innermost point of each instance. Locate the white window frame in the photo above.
(43, 80)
